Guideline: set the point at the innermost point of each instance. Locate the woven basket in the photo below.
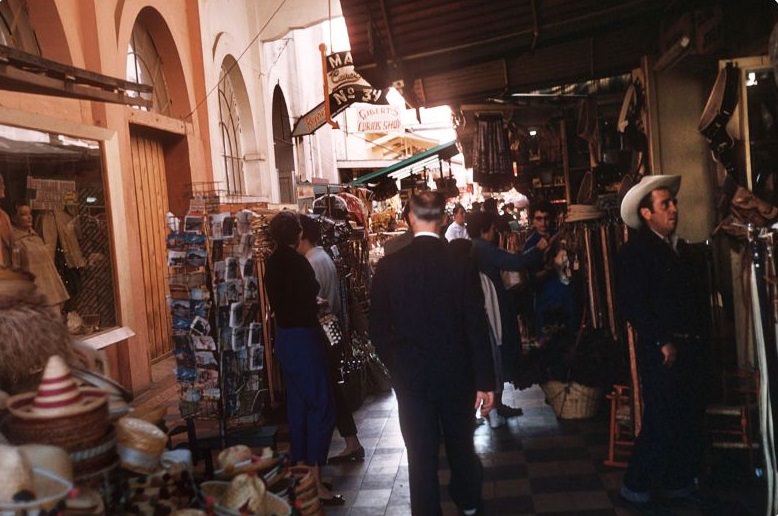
(70, 432)
(572, 400)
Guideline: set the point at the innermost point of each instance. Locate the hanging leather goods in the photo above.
(608, 280)
(590, 276)
(637, 396)
(767, 374)
(718, 110)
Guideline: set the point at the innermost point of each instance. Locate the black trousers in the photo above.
(668, 452)
(421, 422)
(344, 420)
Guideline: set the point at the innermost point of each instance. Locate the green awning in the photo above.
(443, 152)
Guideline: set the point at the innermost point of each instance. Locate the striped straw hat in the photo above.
(58, 395)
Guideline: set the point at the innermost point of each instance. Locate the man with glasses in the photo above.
(541, 216)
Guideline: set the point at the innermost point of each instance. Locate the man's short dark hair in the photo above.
(542, 206)
(479, 222)
(285, 228)
(428, 206)
(490, 204)
(457, 208)
(311, 229)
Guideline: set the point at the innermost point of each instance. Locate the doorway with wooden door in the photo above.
(151, 193)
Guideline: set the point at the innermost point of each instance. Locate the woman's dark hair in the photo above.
(285, 228)
(479, 222)
(457, 208)
(311, 229)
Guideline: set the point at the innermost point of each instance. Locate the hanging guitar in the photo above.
(737, 205)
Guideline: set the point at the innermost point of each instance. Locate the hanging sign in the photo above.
(344, 87)
(378, 119)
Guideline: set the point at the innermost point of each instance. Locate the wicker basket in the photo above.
(572, 400)
(72, 432)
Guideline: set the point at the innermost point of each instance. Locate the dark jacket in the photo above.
(291, 289)
(428, 324)
(658, 291)
(490, 260)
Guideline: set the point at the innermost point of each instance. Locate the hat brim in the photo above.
(49, 490)
(21, 405)
(629, 205)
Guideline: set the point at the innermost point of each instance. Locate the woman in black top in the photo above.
(292, 290)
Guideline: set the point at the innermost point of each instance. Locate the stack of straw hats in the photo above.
(63, 414)
(140, 444)
(245, 494)
(28, 483)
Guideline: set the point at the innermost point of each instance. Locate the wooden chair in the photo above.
(620, 434)
(730, 424)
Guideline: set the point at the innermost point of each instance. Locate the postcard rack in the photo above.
(218, 332)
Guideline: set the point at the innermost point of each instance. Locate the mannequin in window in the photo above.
(35, 258)
(6, 234)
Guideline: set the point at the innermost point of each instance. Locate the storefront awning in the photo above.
(444, 152)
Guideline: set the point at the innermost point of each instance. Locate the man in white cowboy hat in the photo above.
(659, 294)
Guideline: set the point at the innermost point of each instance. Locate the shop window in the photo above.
(229, 123)
(15, 27)
(144, 65)
(66, 243)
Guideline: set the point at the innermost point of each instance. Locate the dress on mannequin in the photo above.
(35, 258)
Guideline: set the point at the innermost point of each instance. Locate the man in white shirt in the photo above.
(457, 228)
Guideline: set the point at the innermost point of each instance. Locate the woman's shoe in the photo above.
(335, 501)
(354, 456)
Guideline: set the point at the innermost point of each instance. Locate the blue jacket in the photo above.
(490, 260)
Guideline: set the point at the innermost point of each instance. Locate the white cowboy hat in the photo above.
(647, 184)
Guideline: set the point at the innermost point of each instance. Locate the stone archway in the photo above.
(283, 146)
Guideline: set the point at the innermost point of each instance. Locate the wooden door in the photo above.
(148, 167)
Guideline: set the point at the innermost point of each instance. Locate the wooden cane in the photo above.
(608, 280)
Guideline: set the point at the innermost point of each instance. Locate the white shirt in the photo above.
(327, 276)
(455, 231)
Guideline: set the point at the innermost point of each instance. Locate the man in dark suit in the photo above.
(428, 324)
(659, 294)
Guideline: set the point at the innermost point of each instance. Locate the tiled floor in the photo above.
(537, 464)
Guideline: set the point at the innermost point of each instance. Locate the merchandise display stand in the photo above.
(219, 330)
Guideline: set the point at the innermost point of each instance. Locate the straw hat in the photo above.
(240, 459)
(17, 475)
(245, 494)
(58, 395)
(582, 212)
(139, 444)
(647, 184)
(53, 458)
